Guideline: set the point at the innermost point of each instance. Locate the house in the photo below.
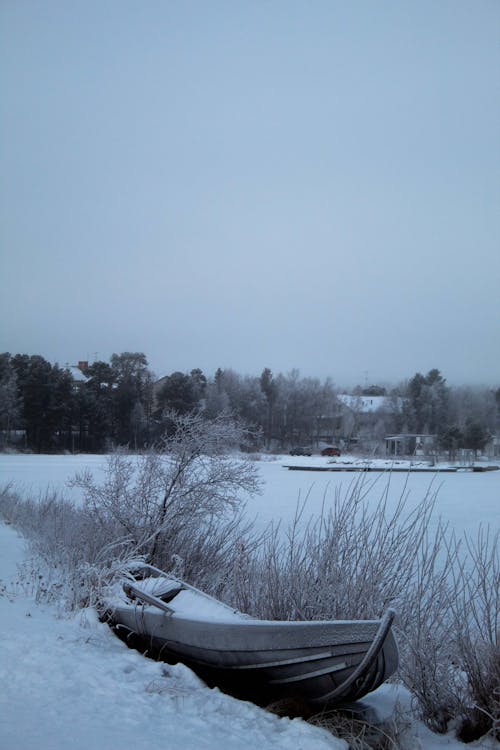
(493, 446)
(410, 444)
(364, 404)
(325, 429)
(366, 419)
(77, 373)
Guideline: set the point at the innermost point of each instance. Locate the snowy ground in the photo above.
(71, 682)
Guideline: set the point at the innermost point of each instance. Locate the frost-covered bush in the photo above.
(178, 507)
(353, 561)
(476, 629)
(182, 500)
(356, 560)
(67, 547)
(451, 638)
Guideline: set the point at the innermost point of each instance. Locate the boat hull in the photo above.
(310, 661)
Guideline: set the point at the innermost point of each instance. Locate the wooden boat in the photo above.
(314, 662)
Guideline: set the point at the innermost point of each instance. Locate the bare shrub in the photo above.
(158, 499)
(176, 508)
(428, 666)
(476, 630)
(67, 547)
(353, 561)
(451, 650)
(356, 560)
(363, 733)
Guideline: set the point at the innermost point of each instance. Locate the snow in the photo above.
(464, 500)
(366, 404)
(77, 375)
(36, 473)
(70, 681)
(190, 602)
(459, 497)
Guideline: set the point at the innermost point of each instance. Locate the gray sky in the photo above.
(248, 184)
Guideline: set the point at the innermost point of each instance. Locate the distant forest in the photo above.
(104, 405)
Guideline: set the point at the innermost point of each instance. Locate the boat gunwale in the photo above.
(246, 618)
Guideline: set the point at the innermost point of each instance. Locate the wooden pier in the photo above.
(394, 469)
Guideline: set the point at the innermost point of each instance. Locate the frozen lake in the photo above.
(464, 500)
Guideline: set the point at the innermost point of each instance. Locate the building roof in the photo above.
(365, 404)
(77, 375)
(406, 435)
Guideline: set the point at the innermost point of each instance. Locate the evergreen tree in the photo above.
(133, 384)
(10, 404)
(96, 407)
(178, 393)
(47, 396)
(427, 405)
(199, 383)
(270, 390)
(451, 440)
(475, 437)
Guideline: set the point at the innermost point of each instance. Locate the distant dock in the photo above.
(393, 469)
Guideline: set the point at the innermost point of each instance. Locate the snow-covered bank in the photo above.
(278, 502)
(72, 683)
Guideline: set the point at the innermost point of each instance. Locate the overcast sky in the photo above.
(311, 185)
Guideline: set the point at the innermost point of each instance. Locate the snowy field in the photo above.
(70, 682)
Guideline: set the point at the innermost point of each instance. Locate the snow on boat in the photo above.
(315, 662)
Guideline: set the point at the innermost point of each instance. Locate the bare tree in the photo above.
(157, 499)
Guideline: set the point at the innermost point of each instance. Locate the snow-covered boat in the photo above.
(316, 662)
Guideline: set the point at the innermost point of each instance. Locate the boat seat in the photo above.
(163, 588)
(170, 594)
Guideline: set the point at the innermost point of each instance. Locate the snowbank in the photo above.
(72, 683)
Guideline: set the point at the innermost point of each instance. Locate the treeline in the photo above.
(107, 404)
(45, 407)
(460, 417)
